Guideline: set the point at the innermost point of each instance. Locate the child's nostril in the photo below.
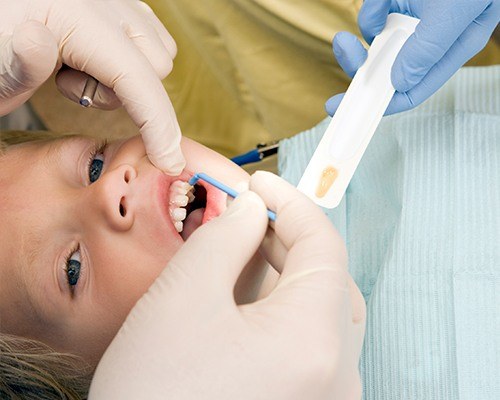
(123, 211)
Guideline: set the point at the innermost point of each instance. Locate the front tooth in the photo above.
(179, 214)
(179, 200)
(178, 226)
(179, 186)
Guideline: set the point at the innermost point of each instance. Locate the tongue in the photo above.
(192, 222)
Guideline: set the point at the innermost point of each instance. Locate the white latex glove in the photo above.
(119, 42)
(187, 339)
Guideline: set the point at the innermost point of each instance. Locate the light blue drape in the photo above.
(421, 219)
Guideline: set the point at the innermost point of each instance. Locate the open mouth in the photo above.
(195, 211)
(190, 207)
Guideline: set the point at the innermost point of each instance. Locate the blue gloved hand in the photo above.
(450, 33)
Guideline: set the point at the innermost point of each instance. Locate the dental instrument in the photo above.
(339, 152)
(88, 93)
(261, 151)
(219, 185)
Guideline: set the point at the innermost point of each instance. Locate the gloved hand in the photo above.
(187, 339)
(450, 33)
(119, 42)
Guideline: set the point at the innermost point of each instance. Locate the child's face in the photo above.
(75, 256)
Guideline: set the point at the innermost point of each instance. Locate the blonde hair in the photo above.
(30, 369)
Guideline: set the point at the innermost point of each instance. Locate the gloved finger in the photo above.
(427, 45)
(271, 247)
(167, 39)
(216, 253)
(27, 59)
(145, 37)
(467, 45)
(71, 83)
(349, 52)
(350, 55)
(273, 250)
(373, 16)
(333, 103)
(301, 226)
(139, 90)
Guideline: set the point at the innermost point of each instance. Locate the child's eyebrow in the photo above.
(71, 148)
(58, 147)
(31, 247)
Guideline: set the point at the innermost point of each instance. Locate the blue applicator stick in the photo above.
(219, 185)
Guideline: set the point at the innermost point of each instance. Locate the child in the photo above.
(86, 229)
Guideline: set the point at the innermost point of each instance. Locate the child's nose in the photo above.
(112, 193)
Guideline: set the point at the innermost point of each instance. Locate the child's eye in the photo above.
(96, 162)
(95, 167)
(73, 267)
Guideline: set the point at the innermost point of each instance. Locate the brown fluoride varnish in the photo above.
(328, 176)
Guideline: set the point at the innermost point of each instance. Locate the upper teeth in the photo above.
(181, 193)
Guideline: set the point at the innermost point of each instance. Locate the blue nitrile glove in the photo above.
(450, 33)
